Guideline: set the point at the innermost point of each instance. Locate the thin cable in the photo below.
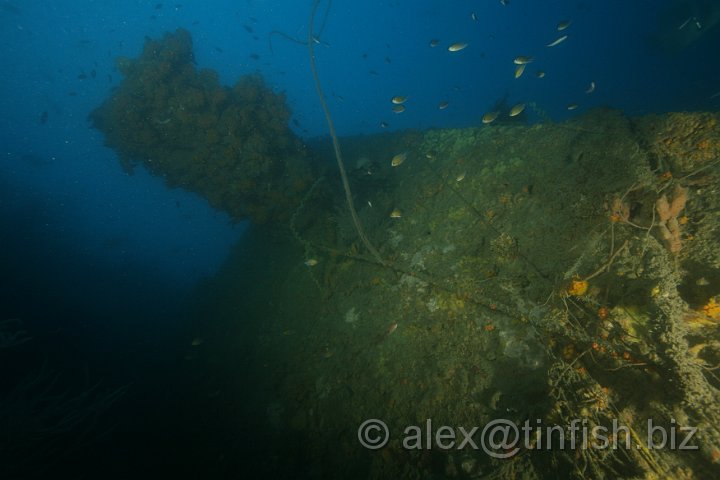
(336, 145)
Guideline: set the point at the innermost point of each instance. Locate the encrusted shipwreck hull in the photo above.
(545, 273)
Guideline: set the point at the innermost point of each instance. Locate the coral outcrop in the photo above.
(233, 145)
(681, 141)
(668, 213)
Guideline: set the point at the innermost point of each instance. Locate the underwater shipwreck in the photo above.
(561, 274)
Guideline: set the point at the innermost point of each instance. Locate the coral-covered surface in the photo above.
(231, 145)
(548, 273)
(682, 141)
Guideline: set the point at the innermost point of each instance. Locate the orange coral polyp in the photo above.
(577, 288)
(712, 309)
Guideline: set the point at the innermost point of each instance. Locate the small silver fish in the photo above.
(456, 47)
(517, 109)
(490, 117)
(563, 25)
(558, 41)
(522, 60)
(398, 159)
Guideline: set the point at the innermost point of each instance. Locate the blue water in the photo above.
(368, 54)
(80, 236)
